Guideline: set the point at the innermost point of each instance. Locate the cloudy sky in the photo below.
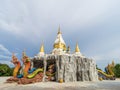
(94, 24)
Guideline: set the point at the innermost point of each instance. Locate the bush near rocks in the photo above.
(117, 70)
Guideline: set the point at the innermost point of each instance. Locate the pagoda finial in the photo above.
(77, 48)
(59, 32)
(42, 48)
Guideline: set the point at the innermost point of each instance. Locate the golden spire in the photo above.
(42, 48)
(77, 48)
(59, 32)
(59, 43)
(59, 40)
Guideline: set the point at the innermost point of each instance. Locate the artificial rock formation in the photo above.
(69, 68)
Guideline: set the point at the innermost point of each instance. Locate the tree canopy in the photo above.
(117, 70)
(5, 70)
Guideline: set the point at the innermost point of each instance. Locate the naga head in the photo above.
(25, 58)
(14, 59)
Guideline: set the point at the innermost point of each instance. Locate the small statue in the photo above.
(51, 73)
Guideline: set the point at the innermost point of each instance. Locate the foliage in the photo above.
(117, 70)
(97, 67)
(5, 70)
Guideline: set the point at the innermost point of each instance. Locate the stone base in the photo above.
(70, 68)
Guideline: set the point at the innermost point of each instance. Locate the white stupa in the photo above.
(41, 52)
(59, 46)
(77, 51)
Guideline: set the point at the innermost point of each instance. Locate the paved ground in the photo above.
(100, 85)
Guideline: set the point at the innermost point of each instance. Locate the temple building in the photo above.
(63, 65)
(59, 47)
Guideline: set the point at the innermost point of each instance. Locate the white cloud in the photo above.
(5, 55)
(27, 18)
(4, 50)
(6, 62)
(104, 55)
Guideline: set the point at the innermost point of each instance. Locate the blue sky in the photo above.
(94, 24)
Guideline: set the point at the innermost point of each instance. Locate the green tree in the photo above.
(97, 67)
(117, 70)
(5, 70)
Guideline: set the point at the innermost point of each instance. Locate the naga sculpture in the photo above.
(28, 76)
(17, 64)
(27, 65)
(32, 76)
(108, 74)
